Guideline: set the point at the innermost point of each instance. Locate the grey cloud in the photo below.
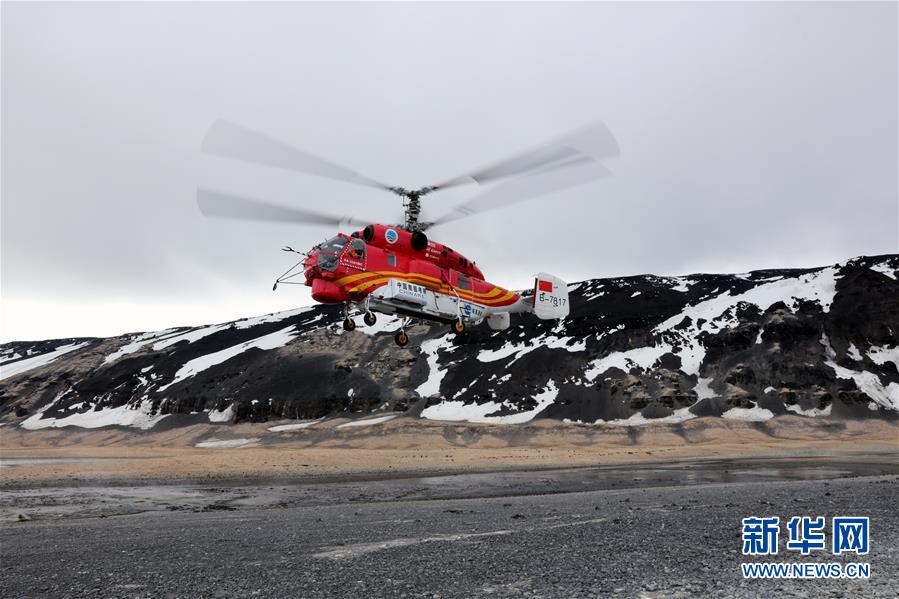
(752, 135)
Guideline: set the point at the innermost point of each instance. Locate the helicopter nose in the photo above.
(327, 292)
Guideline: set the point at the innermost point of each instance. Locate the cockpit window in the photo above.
(335, 244)
(356, 250)
(329, 251)
(463, 282)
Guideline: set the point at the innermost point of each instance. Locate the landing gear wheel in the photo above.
(369, 319)
(349, 324)
(458, 327)
(401, 338)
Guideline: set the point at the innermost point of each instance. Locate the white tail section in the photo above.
(550, 297)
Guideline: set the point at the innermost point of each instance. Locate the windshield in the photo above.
(335, 244)
(327, 257)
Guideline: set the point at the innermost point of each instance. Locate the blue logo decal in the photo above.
(391, 236)
(467, 309)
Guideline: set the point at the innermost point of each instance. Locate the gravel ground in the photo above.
(655, 532)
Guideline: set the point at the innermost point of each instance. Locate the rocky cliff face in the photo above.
(813, 342)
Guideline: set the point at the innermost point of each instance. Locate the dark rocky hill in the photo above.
(813, 342)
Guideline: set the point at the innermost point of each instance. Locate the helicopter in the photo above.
(397, 269)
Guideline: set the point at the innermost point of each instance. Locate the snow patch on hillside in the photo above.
(457, 411)
(885, 269)
(638, 419)
(509, 349)
(366, 422)
(27, 364)
(703, 390)
(189, 336)
(719, 312)
(683, 284)
(642, 357)
(266, 342)
(520, 349)
(565, 343)
(430, 348)
(8, 355)
(881, 355)
(225, 415)
(866, 382)
(293, 427)
(228, 443)
(870, 384)
(126, 415)
(169, 337)
(753, 414)
(384, 324)
(137, 342)
(812, 412)
(273, 317)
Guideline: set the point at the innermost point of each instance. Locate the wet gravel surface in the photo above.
(658, 531)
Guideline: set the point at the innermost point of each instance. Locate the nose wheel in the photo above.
(348, 323)
(458, 327)
(369, 319)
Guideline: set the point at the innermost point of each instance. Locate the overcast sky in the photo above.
(752, 136)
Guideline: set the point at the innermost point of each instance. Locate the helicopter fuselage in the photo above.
(394, 271)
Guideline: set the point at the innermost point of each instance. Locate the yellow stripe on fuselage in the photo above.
(386, 273)
(349, 279)
(390, 273)
(367, 284)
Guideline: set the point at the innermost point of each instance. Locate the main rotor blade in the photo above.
(556, 177)
(234, 141)
(595, 141)
(219, 204)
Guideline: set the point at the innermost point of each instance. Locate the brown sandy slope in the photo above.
(406, 446)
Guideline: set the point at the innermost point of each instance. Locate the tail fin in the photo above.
(550, 297)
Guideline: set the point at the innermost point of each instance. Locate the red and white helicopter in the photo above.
(397, 269)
